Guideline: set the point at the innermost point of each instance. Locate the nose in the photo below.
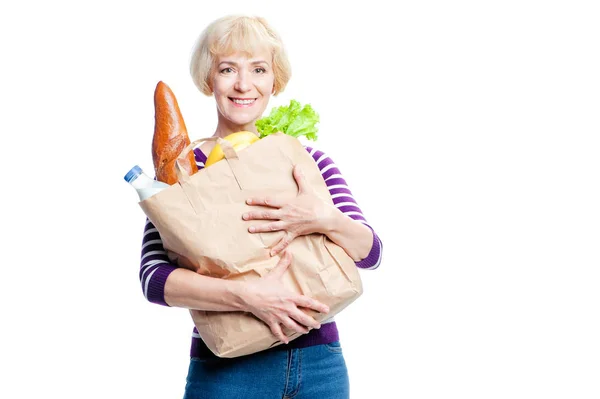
(242, 83)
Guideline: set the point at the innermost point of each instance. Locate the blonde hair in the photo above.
(232, 34)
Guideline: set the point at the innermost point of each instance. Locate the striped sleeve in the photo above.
(155, 266)
(345, 202)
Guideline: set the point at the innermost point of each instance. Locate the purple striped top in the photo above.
(155, 266)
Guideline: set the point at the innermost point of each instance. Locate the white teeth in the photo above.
(243, 102)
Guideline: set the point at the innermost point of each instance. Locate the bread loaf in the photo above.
(170, 136)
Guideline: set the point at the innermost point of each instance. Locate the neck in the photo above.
(226, 127)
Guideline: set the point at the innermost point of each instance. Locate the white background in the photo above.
(467, 130)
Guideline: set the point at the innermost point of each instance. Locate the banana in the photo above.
(238, 140)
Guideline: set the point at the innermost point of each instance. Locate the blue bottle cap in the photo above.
(133, 174)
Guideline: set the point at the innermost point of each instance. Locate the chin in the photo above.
(242, 121)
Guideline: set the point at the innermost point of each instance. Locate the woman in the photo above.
(241, 62)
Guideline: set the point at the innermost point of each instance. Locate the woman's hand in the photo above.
(269, 300)
(305, 214)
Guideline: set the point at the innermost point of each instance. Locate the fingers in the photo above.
(304, 319)
(300, 178)
(293, 326)
(282, 265)
(282, 244)
(278, 333)
(295, 320)
(267, 227)
(262, 215)
(310, 303)
(265, 201)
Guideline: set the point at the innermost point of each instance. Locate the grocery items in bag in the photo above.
(294, 120)
(170, 136)
(144, 185)
(238, 140)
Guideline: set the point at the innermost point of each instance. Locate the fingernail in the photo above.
(252, 229)
(244, 216)
(249, 201)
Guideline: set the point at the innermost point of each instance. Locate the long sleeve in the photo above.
(154, 266)
(345, 202)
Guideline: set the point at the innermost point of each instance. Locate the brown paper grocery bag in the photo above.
(200, 222)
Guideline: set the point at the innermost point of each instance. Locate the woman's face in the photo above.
(242, 86)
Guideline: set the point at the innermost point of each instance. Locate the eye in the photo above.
(260, 70)
(227, 70)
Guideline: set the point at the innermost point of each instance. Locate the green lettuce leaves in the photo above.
(295, 120)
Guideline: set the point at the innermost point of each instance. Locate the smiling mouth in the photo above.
(242, 101)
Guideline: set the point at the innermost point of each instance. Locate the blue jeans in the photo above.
(306, 373)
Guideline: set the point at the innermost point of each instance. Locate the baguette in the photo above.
(170, 136)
